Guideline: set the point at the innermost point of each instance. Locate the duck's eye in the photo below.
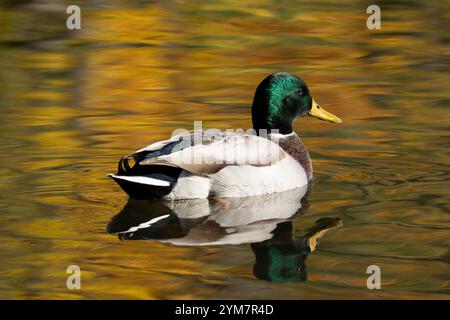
(300, 91)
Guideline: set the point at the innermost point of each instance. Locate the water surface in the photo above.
(73, 102)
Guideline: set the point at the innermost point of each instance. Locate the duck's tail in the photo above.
(145, 182)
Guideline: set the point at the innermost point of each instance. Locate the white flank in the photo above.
(189, 186)
(247, 181)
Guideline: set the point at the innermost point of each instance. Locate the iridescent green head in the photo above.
(280, 99)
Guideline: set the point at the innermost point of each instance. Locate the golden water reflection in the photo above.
(73, 102)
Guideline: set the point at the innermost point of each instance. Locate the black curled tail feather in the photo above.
(123, 166)
(125, 169)
(129, 166)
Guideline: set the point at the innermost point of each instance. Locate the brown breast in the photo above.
(293, 145)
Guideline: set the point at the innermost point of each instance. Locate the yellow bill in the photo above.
(318, 112)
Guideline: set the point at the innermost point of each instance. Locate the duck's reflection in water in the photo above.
(264, 221)
(282, 258)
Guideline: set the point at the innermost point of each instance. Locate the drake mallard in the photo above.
(201, 164)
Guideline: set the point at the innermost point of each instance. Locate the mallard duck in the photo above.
(202, 164)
